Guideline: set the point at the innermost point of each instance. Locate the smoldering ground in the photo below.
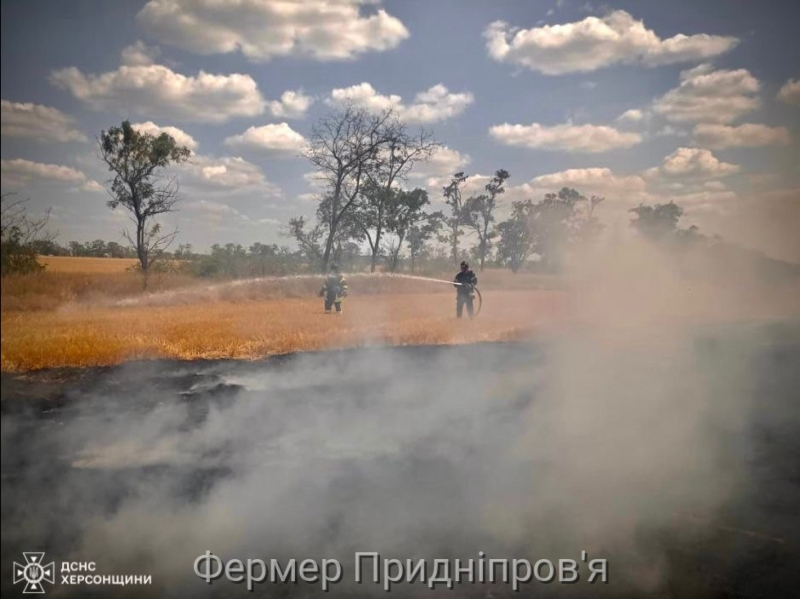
(667, 446)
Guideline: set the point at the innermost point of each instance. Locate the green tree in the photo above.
(404, 211)
(480, 211)
(459, 215)
(517, 242)
(657, 222)
(138, 161)
(420, 233)
(19, 234)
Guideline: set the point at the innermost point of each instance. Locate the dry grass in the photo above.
(80, 312)
(253, 329)
(54, 319)
(53, 290)
(86, 265)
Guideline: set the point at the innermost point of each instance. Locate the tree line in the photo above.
(362, 161)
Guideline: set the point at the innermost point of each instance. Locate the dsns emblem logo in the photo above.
(34, 572)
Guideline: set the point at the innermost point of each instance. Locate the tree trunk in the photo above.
(141, 250)
(455, 246)
(376, 248)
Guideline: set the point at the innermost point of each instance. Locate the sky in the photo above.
(638, 102)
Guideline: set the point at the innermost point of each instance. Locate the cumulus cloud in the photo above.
(443, 162)
(429, 106)
(567, 137)
(594, 43)
(748, 135)
(156, 90)
(692, 163)
(228, 172)
(180, 136)
(278, 140)
(34, 121)
(139, 55)
(261, 30)
(591, 181)
(706, 95)
(634, 115)
(19, 172)
(292, 105)
(790, 92)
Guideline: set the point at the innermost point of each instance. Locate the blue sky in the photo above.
(635, 101)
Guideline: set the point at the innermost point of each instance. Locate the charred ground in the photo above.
(131, 465)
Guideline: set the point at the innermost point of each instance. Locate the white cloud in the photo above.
(634, 115)
(429, 106)
(692, 163)
(444, 162)
(714, 185)
(38, 122)
(790, 92)
(594, 43)
(704, 200)
(709, 96)
(228, 172)
(158, 91)
(670, 131)
(315, 180)
(19, 172)
(567, 137)
(180, 136)
(91, 185)
(261, 30)
(292, 105)
(139, 55)
(591, 181)
(748, 135)
(278, 140)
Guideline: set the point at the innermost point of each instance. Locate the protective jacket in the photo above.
(334, 288)
(467, 280)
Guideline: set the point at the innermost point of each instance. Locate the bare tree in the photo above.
(480, 211)
(138, 160)
(345, 147)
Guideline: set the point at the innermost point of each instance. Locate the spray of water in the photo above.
(166, 297)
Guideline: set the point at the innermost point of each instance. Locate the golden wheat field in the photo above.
(94, 317)
(86, 265)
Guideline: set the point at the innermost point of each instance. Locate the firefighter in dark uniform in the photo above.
(334, 290)
(465, 293)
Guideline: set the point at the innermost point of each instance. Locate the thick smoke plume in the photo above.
(627, 435)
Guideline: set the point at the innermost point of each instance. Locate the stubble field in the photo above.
(92, 318)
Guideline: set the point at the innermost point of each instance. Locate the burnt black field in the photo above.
(419, 452)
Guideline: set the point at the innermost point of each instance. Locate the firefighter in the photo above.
(334, 290)
(465, 294)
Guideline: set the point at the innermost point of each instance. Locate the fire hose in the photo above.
(474, 288)
(480, 298)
